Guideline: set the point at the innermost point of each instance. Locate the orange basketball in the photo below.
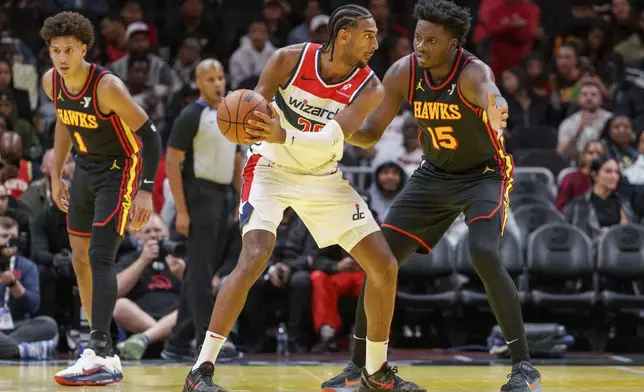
(235, 110)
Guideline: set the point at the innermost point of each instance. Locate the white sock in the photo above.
(212, 344)
(376, 355)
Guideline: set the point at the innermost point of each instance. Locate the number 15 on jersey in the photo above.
(442, 138)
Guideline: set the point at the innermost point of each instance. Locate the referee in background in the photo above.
(202, 194)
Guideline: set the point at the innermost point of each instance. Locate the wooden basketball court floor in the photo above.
(299, 378)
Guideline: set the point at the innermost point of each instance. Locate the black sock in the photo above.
(484, 238)
(101, 343)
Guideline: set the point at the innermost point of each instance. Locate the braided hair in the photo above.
(343, 17)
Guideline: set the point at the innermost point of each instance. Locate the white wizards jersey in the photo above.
(306, 103)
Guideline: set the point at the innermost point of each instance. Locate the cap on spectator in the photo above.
(272, 3)
(136, 27)
(319, 21)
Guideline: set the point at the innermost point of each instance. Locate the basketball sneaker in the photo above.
(524, 378)
(200, 379)
(386, 379)
(91, 369)
(347, 381)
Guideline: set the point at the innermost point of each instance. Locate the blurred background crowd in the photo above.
(572, 72)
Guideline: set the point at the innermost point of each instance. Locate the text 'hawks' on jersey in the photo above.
(95, 136)
(455, 134)
(306, 103)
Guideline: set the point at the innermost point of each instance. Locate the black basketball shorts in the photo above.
(101, 194)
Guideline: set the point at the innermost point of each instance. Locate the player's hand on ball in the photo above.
(267, 129)
(60, 193)
(141, 210)
(498, 116)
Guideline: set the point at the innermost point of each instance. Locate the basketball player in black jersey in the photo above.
(465, 170)
(117, 149)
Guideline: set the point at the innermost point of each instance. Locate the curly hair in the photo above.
(455, 19)
(342, 18)
(68, 23)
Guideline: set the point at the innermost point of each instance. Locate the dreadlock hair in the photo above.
(342, 18)
(455, 19)
(68, 23)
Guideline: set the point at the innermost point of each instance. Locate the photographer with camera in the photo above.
(22, 333)
(149, 283)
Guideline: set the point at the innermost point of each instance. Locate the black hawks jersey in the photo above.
(96, 136)
(455, 134)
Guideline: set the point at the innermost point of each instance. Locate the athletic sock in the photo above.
(210, 350)
(359, 351)
(376, 355)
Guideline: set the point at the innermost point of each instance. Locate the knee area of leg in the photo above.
(386, 272)
(98, 254)
(301, 280)
(482, 246)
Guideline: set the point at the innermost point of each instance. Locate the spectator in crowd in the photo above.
(600, 55)
(635, 173)
(9, 207)
(132, 12)
(275, 13)
(632, 48)
(23, 106)
(623, 21)
(600, 208)
(512, 30)
(203, 167)
(335, 274)
(29, 138)
(536, 77)
(319, 29)
(152, 98)
(149, 283)
(568, 71)
(17, 172)
(619, 141)
(525, 107)
(584, 125)
(578, 182)
(159, 72)
(253, 53)
(287, 276)
(381, 12)
(389, 179)
(407, 153)
(400, 47)
(301, 32)
(187, 59)
(23, 334)
(114, 39)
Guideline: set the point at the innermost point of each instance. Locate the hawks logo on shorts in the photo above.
(306, 104)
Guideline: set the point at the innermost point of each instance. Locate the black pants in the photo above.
(30, 330)
(208, 208)
(431, 201)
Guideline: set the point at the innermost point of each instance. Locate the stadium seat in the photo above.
(512, 260)
(620, 263)
(531, 217)
(545, 158)
(559, 258)
(518, 201)
(540, 174)
(534, 137)
(428, 269)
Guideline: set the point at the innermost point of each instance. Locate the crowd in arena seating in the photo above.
(572, 72)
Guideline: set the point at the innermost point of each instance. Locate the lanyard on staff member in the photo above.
(6, 321)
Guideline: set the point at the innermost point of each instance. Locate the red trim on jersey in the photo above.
(53, 91)
(307, 79)
(248, 175)
(408, 234)
(120, 133)
(122, 188)
(74, 232)
(94, 95)
(451, 75)
(412, 76)
(87, 83)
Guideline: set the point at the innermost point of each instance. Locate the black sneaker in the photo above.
(200, 380)
(348, 380)
(524, 378)
(386, 379)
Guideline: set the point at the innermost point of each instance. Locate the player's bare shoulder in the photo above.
(475, 71)
(47, 82)
(284, 61)
(397, 78)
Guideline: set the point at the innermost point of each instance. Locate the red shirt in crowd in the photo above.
(572, 185)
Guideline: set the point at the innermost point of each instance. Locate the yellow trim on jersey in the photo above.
(127, 198)
(130, 136)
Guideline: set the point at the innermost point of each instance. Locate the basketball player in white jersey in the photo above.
(320, 96)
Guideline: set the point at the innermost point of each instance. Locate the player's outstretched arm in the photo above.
(113, 97)
(395, 83)
(478, 86)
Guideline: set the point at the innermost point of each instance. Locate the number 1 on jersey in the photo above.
(79, 140)
(442, 138)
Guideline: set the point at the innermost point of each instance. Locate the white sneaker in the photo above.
(90, 369)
